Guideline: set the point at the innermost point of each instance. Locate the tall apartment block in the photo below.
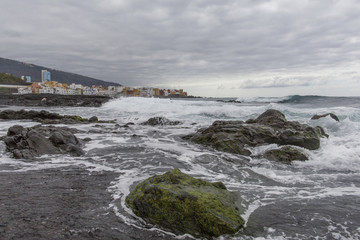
(45, 76)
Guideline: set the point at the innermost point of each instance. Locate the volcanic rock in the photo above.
(51, 100)
(32, 142)
(160, 121)
(285, 154)
(46, 117)
(183, 204)
(333, 116)
(271, 127)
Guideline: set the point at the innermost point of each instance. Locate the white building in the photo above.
(119, 89)
(70, 91)
(90, 91)
(75, 86)
(146, 92)
(60, 90)
(24, 90)
(46, 89)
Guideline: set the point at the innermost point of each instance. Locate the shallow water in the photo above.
(316, 199)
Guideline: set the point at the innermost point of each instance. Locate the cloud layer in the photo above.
(197, 44)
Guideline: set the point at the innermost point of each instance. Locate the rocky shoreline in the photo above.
(62, 203)
(72, 203)
(52, 100)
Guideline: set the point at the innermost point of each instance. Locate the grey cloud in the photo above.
(142, 42)
(283, 82)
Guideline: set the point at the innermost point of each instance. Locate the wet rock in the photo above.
(29, 143)
(285, 155)
(228, 101)
(46, 117)
(33, 115)
(333, 116)
(160, 121)
(93, 119)
(52, 100)
(271, 127)
(127, 125)
(183, 204)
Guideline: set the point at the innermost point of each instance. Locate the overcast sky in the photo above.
(220, 48)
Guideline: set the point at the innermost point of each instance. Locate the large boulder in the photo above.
(183, 204)
(271, 127)
(29, 143)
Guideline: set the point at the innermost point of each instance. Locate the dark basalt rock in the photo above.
(271, 127)
(333, 116)
(46, 117)
(183, 204)
(228, 101)
(93, 119)
(29, 143)
(285, 154)
(155, 121)
(51, 100)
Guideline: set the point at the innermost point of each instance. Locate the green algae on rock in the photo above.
(183, 204)
(285, 154)
(271, 127)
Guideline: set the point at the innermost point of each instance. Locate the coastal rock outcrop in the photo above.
(32, 142)
(285, 155)
(271, 127)
(46, 117)
(183, 204)
(53, 100)
(332, 115)
(154, 121)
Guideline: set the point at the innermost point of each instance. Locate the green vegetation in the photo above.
(8, 90)
(10, 79)
(183, 204)
(286, 155)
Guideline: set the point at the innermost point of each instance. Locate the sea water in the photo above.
(315, 199)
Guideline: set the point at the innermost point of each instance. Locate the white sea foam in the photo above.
(329, 172)
(140, 109)
(262, 99)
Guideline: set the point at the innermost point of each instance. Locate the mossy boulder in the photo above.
(271, 127)
(183, 204)
(286, 155)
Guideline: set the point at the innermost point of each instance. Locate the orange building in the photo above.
(35, 87)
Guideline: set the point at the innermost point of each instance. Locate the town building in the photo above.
(24, 90)
(26, 78)
(45, 76)
(52, 87)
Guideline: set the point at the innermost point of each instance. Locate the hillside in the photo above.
(10, 79)
(19, 69)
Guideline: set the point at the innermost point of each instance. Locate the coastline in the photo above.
(52, 100)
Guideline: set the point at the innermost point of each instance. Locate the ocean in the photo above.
(315, 199)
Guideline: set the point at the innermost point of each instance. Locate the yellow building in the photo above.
(136, 92)
(156, 91)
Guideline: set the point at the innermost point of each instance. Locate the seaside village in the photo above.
(52, 87)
